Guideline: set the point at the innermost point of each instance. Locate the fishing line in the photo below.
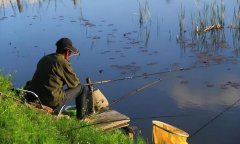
(214, 118)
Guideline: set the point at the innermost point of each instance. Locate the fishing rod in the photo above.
(135, 91)
(151, 74)
(214, 118)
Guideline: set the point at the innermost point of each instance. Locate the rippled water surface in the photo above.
(192, 45)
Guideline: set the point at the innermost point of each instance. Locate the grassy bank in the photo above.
(21, 124)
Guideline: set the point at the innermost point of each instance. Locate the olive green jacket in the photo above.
(53, 72)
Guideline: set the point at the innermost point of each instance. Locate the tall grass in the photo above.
(21, 124)
(236, 16)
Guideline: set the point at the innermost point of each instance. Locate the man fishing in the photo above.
(53, 73)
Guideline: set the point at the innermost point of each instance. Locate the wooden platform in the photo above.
(109, 119)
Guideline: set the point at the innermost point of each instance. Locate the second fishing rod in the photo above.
(144, 75)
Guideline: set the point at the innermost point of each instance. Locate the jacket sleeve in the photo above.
(70, 77)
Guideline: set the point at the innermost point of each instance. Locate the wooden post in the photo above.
(89, 82)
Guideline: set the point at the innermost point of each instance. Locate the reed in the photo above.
(144, 12)
(211, 16)
(236, 16)
(206, 23)
(158, 28)
(181, 17)
(218, 11)
(235, 25)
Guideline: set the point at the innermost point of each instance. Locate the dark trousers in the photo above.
(80, 94)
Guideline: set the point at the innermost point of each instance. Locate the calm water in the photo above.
(121, 38)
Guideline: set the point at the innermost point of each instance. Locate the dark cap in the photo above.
(66, 44)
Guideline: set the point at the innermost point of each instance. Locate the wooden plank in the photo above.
(109, 119)
(113, 125)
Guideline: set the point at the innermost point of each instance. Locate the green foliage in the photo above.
(21, 124)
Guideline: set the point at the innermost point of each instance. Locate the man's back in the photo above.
(53, 71)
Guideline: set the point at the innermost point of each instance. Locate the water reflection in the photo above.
(235, 25)
(18, 4)
(20, 7)
(76, 2)
(188, 97)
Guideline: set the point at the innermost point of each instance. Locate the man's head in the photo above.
(64, 46)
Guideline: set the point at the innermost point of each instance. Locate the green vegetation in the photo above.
(21, 124)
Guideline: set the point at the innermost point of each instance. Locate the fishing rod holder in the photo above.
(90, 95)
(96, 100)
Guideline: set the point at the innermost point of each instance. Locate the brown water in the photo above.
(119, 39)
